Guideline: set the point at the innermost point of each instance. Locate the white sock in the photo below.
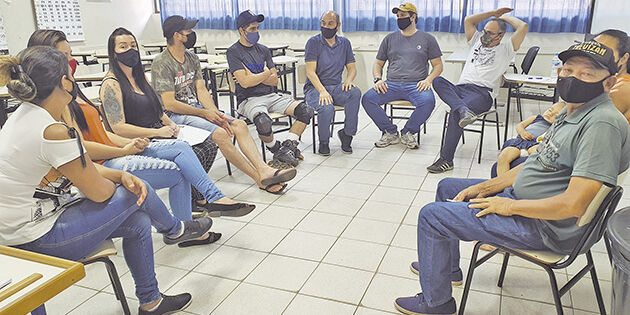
(156, 306)
(292, 136)
(181, 231)
(271, 143)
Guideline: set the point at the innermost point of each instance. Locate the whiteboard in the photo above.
(62, 15)
(611, 14)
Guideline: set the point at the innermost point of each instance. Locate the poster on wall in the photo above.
(4, 46)
(63, 15)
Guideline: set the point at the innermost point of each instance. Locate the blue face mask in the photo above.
(252, 38)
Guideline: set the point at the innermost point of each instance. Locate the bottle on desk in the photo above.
(555, 64)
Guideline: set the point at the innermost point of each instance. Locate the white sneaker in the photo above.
(410, 140)
(387, 139)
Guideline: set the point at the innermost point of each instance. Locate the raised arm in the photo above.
(471, 21)
(521, 30)
(111, 96)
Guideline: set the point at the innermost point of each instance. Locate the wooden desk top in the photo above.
(56, 275)
(90, 77)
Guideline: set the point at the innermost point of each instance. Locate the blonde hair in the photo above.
(16, 80)
(34, 73)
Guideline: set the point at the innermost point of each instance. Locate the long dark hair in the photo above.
(137, 71)
(33, 74)
(51, 38)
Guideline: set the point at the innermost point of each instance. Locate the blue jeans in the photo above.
(423, 101)
(349, 100)
(81, 228)
(170, 164)
(442, 224)
(195, 121)
(457, 97)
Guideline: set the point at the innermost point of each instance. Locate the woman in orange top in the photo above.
(620, 44)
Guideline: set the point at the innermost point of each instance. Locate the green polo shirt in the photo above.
(591, 142)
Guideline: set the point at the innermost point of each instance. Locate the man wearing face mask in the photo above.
(409, 53)
(488, 58)
(256, 83)
(536, 205)
(326, 55)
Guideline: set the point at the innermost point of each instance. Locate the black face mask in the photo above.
(487, 39)
(328, 33)
(129, 58)
(574, 90)
(191, 40)
(74, 91)
(403, 23)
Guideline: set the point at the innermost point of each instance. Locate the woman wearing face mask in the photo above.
(168, 164)
(116, 203)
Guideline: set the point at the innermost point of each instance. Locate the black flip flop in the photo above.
(213, 237)
(279, 192)
(278, 178)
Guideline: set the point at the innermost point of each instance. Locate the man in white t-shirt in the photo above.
(488, 59)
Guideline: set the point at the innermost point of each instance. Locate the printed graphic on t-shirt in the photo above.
(184, 87)
(548, 151)
(255, 67)
(483, 56)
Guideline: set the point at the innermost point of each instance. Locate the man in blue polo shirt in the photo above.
(326, 55)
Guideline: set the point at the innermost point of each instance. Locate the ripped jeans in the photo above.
(170, 164)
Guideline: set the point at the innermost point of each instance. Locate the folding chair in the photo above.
(595, 219)
(401, 105)
(102, 254)
(484, 119)
(515, 89)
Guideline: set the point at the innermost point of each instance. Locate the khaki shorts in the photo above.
(270, 103)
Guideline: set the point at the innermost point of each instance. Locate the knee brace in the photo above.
(303, 113)
(263, 124)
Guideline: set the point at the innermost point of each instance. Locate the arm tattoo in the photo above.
(113, 108)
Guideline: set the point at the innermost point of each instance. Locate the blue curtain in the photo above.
(543, 16)
(213, 14)
(376, 15)
(279, 14)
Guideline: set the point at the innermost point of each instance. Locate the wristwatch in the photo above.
(376, 80)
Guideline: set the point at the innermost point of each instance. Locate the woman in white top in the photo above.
(117, 204)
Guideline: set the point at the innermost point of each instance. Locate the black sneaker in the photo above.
(324, 149)
(285, 155)
(192, 229)
(466, 117)
(346, 141)
(440, 166)
(227, 210)
(170, 304)
(293, 145)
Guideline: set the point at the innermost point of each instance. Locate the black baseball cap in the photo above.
(248, 17)
(602, 55)
(176, 23)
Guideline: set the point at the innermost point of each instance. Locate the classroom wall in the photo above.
(100, 18)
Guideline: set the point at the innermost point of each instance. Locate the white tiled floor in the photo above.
(338, 242)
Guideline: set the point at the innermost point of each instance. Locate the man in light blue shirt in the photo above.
(326, 56)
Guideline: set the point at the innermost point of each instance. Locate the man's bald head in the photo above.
(330, 19)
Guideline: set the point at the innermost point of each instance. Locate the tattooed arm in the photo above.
(111, 96)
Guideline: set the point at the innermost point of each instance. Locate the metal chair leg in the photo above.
(598, 291)
(444, 130)
(607, 243)
(313, 127)
(483, 128)
(506, 258)
(469, 277)
(264, 155)
(116, 285)
(498, 130)
(425, 128)
(554, 290)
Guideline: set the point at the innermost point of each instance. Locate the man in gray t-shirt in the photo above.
(408, 53)
(536, 205)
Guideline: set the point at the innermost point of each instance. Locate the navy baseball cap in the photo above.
(176, 23)
(248, 17)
